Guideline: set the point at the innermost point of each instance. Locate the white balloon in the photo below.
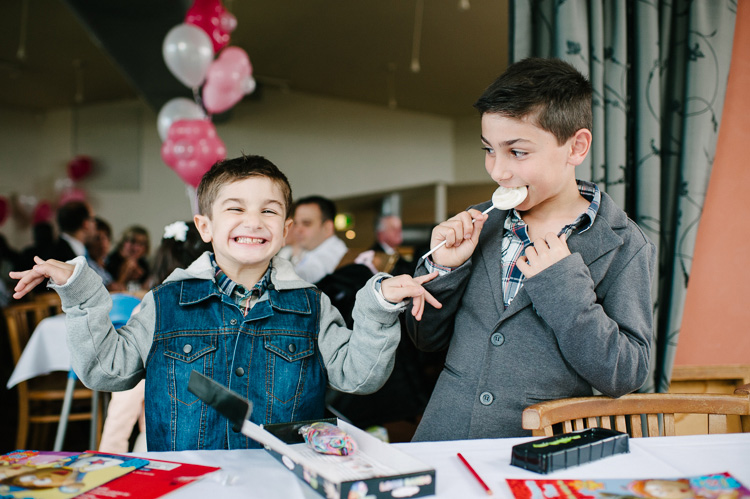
(188, 52)
(179, 108)
(249, 85)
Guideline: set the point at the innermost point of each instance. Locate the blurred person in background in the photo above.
(75, 219)
(128, 263)
(315, 234)
(98, 247)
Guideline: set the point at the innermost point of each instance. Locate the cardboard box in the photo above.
(376, 469)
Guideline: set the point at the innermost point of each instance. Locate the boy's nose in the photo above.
(498, 170)
(251, 220)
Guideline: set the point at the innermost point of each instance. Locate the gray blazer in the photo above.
(585, 322)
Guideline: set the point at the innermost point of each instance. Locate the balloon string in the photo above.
(198, 100)
(21, 52)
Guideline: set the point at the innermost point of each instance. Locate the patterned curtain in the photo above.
(659, 71)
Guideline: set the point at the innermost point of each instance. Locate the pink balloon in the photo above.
(214, 19)
(4, 209)
(79, 167)
(191, 148)
(227, 80)
(43, 212)
(72, 194)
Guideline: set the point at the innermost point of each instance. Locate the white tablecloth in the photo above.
(46, 351)
(254, 473)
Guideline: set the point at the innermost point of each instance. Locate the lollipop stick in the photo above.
(433, 250)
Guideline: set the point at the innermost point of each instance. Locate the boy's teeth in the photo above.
(249, 240)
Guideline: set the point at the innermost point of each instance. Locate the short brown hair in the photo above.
(551, 92)
(231, 170)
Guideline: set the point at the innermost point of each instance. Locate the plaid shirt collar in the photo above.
(585, 220)
(516, 239)
(238, 292)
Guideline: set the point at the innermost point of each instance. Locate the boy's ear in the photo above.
(580, 144)
(203, 224)
(287, 226)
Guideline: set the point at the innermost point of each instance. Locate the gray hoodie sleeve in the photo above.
(360, 361)
(103, 358)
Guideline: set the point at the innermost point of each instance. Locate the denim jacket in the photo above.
(280, 356)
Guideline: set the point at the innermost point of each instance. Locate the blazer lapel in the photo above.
(490, 254)
(601, 237)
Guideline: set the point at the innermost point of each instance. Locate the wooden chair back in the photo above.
(21, 319)
(51, 301)
(654, 412)
(35, 395)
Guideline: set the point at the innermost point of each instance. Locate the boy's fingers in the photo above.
(26, 285)
(431, 299)
(18, 274)
(418, 308)
(427, 277)
(419, 302)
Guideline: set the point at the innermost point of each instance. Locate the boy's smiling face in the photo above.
(247, 226)
(519, 153)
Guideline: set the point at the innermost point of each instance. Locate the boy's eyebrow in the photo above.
(509, 142)
(242, 201)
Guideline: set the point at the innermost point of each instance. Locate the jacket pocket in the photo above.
(289, 358)
(182, 355)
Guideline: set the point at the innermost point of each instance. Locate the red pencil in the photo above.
(479, 479)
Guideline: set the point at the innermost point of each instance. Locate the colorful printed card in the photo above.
(151, 481)
(59, 475)
(718, 486)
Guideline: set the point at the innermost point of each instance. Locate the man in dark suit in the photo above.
(77, 227)
(388, 234)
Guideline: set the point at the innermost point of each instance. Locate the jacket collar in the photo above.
(600, 239)
(197, 284)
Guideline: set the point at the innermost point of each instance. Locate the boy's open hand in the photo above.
(405, 286)
(545, 253)
(461, 236)
(58, 271)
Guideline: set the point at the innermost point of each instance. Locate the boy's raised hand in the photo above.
(461, 234)
(546, 252)
(58, 271)
(405, 286)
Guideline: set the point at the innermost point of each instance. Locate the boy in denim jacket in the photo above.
(237, 315)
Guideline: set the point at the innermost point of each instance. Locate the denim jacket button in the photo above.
(239, 372)
(233, 322)
(292, 348)
(187, 348)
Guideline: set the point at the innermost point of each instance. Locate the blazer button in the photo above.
(239, 372)
(233, 322)
(497, 339)
(486, 398)
(292, 348)
(187, 348)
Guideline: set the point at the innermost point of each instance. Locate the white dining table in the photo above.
(47, 351)
(255, 473)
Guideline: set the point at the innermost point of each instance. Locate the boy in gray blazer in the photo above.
(548, 300)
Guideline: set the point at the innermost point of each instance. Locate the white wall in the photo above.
(469, 157)
(331, 147)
